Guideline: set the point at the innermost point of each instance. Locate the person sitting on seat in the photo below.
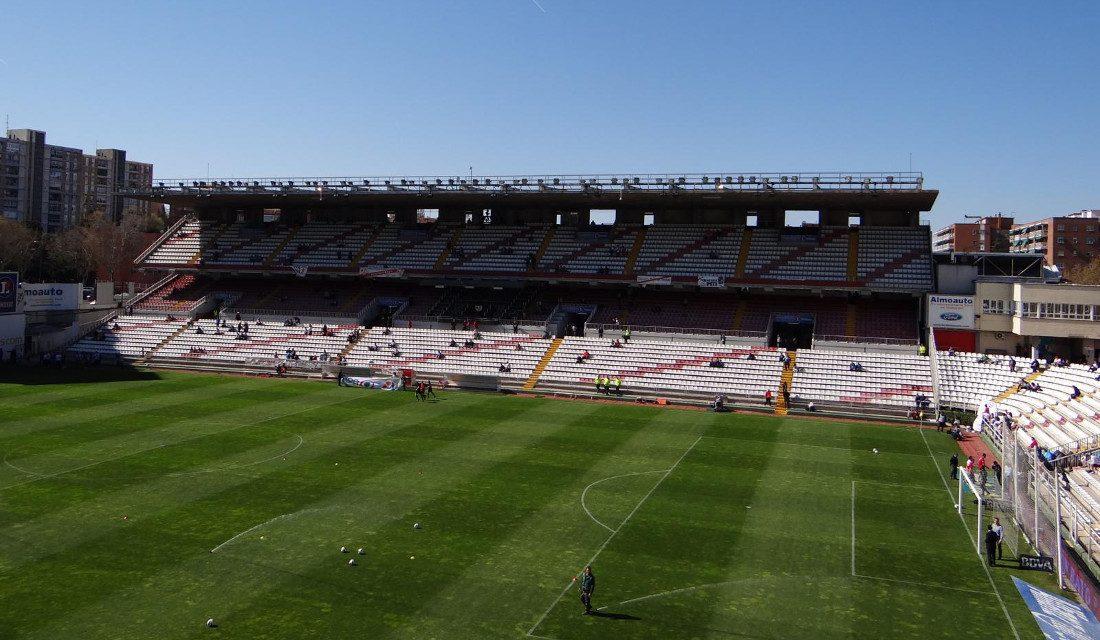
(469, 344)
(750, 356)
(811, 406)
(1035, 365)
(855, 366)
(1076, 393)
(116, 327)
(519, 347)
(719, 404)
(438, 355)
(453, 343)
(505, 367)
(199, 330)
(951, 351)
(716, 362)
(616, 344)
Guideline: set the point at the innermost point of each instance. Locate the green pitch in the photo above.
(141, 506)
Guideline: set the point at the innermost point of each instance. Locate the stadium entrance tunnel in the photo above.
(572, 325)
(791, 331)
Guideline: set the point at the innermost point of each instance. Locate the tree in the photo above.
(1085, 274)
(111, 247)
(17, 246)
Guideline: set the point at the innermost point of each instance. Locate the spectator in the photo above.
(599, 331)
(768, 397)
(941, 424)
(1034, 365)
(1076, 393)
(811, 407)
(716, 362)
(855, 366)
(951, 351)
(1012, 364)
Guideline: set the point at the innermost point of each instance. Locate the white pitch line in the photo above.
(159, 446)
(930, 585)
(27, 472)
(301, 441)
(531, 632)
(251, 529)
(672, 593)
(625, 475)
(853, 527)
(988, 575)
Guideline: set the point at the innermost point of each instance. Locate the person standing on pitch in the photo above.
(954, 466)
(1000, 531)
(991, 540)
(588, 587)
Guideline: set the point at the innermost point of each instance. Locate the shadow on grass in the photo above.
(40, 375)
(614, 616)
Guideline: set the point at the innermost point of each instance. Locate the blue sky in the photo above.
(998, 103)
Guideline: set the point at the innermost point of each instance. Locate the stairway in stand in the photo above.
(781, 407)
(533, 379)
(1012, 390)
(148, 355)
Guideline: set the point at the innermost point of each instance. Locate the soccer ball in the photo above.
(874, 450)
(343, 549)
(352, 562)
(211, 624)
(956, 505)
(416, 525)
(361, 552)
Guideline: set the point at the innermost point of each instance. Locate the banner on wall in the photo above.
(370, 272)
(9, 291)
(712, 281)
(1058, 617)
(654, 280)
(391, 383)
(950, 312)
(50, 296)
(13, 327)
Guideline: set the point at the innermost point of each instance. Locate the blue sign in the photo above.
(1058, 617)
(9, 291)
(951, 316)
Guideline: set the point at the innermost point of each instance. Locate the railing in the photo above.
(161, 240)
(687, 331)
(901, 342)
(149, 291)
(306, 315)
(719, 181)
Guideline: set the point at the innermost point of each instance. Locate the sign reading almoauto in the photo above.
(50, 296)
(950, 312)
(9, 291)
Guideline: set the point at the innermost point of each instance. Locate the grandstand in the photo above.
(701, 270)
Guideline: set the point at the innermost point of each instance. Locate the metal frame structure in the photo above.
(542, 183)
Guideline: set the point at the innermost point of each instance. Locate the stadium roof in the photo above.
(853, 191)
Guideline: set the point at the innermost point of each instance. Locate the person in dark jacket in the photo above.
(991, 540)
(588, 587)
(954, 466)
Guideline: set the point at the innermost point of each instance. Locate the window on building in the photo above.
(1060, 227)
(993, 307)
(1090, 240)
(1060, 240)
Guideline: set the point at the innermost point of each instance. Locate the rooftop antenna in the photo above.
(910, 162)
(471, 171)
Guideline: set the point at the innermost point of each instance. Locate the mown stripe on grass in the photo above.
(164, 541)
(299, 547)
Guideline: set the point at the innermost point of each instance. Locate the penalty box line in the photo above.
(531, 632)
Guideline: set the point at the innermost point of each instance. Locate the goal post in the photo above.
(969, 493)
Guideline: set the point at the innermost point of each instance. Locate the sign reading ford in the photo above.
(950, 312)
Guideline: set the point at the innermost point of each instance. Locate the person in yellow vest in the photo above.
(606, 384)
(597, 380)
(922, 350)
(618, 382)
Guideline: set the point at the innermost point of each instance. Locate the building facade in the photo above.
(988, 234)
(1065, 241)
(51, 187)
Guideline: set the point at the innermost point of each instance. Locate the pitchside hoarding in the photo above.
(950, 312)
(9, 291)
(50, 296)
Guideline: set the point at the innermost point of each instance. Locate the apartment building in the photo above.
(1066, 241)
(988, 234)
(51, 187)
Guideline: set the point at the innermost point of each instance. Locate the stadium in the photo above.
(721, 391)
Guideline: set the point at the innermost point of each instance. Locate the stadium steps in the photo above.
(1012, 390)
(797, 253)
(400, 248)
(635, 249)
(853, 255)
(710, 236)
(739, 317)
(850, 321)
(270, 259)
(456, 235)
(743, 257)
(785, 380)
(144, 359)
(207, 244)
(546, 240)
(533, 379)
(365, 248)
(339, 235)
